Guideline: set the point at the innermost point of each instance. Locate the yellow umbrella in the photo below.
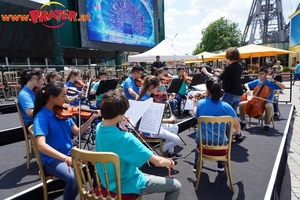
(207, 56)
(253, 50)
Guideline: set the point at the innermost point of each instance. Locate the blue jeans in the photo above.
(179, 97)
(59, 169)
(157, 184)
(275, 105)
(232, 99)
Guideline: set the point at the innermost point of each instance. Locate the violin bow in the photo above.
(168, 99)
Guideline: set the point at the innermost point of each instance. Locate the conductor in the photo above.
(156, 65)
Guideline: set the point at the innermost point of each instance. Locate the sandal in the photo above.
(239, 137)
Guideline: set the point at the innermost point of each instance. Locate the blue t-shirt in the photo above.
(184, 86)
(268, 83)
(297, 71)
(145, 97)
(57, 132)
(71, 84)
(26, 100)
(207, 107)
(132, 153)
(130, 83)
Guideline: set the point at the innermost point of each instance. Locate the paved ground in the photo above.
(294, 144)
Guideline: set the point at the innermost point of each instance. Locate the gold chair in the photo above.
(217, 149)
(43, 176)
(81, 159)
(12, 81)
(156, 143)
(28, 141)
(2, 87)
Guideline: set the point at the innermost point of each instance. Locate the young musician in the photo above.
(212, 105)
(30, 78)
(74, 75)
(53, 135)
(168, 131)
(182, 91)
(53, 76)
(103, 77)
(131, 90)
(264, 78)
(133, 154)
(162, 73)
(231, 78)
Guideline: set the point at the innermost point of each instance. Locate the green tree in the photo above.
(221, 34)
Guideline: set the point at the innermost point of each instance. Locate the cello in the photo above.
(256, 106)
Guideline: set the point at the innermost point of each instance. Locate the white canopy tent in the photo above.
(164, 50)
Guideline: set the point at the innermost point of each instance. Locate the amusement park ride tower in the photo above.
(266, 23)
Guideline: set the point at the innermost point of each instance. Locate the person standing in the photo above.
(231, 78)
(277, 73)
(156, 65)
(297, 72)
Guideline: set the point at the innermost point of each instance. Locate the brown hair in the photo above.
(149, 81)
(74, 72)
(232, 53)
(113, 104)
(27, 74)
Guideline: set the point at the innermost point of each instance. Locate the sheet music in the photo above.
(201, 88)
(151, 120)
(88, 88)
(189, 103)
(137, 109)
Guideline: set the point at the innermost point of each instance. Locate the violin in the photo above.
(139, 82)
(67, 111)
(80, 84)
(166, 80)
(160, 96)
(256, 106)
(198, 96)
(187, 78)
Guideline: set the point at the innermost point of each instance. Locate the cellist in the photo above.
(263, 78)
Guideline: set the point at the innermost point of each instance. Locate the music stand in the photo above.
(88, 89)
(105, 86)
(175, 85)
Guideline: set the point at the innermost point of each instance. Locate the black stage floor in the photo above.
(252, 164)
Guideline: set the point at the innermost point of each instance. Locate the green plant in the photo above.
(286, 69)
(250, 71)
(256, 71)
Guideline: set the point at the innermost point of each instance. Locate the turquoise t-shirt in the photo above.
(297, 71)
(132, 153)
(268, 83)
(95, 87)
(184, 86)
(207, 107)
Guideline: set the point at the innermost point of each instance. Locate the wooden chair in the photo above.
(2, 87)
(43, 176)
(81, 159)
(28, 141)
(217, 149)
(12, 81)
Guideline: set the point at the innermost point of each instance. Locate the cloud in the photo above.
(191, 12)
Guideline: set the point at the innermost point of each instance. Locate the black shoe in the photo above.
(266, 129)
(186, 112)
(276, 116)
(220, 167)
(243, 126)
(174, 155)
(239, 137)
(195, 168)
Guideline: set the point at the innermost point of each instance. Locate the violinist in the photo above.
(168, 131)
(73, 76)
(220, 108)
(53, 76)
(30, 79)
(264, 78)
(54, 135)
(182, 91)
(103, 77)
(133, 154)
(131, 90)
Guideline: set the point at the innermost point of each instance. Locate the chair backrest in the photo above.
(37, 154)
(11, 77)
(213, 132)
(82, 158)
(1, 82)
(21, 119)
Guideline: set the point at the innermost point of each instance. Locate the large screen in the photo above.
(126, 23)
(295, 31)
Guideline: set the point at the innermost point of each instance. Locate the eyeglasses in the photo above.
(141, 73)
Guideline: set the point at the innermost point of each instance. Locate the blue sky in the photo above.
(189, 17)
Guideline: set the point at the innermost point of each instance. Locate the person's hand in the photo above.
(172, 119)
(204, 70)
(68, 160)
(97, 114)
(217, 70)
(80, 94)
(270, 78)
(248, 92)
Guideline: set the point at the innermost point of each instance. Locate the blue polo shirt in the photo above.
(57, 132)
(129, 83)
(207, 107)
(132, 153)
(71, 84)
(145, 97)
(26, 100)
(183, 88)
(268, 83)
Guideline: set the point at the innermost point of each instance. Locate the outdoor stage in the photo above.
(252, 165)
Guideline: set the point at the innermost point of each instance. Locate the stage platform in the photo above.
(252, 166)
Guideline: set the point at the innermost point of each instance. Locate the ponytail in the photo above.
(214, 87)
(74, 72)
(27, 74)
(53, 88)
(148, 81)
